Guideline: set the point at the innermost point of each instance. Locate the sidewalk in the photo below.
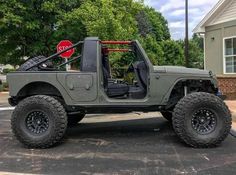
(4, 98)
(232, 106)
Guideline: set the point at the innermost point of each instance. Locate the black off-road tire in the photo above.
(73, 120)
(183, 120)
(56, 118)
(167, 115)
(31, 62)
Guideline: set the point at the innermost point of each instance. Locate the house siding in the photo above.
(228, 14)
(213, 53)
(214, 57)
(214, 36)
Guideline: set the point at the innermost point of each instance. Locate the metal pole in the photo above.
(67, 65)
(186, 35)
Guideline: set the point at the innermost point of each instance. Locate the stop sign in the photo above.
(64, 44)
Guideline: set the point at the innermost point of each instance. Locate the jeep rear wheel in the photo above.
(74, 119)
(202, 120)
(39, 121)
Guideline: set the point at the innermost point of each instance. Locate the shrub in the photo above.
(1, 86)
(6, 71)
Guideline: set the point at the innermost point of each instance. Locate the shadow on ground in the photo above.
(138, 146)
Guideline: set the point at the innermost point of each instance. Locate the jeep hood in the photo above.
(181, 70)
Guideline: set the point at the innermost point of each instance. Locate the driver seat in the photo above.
(112, 88)
(141, 72)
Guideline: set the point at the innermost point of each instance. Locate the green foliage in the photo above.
(159, 24)
(34, 27)
(107, 19)
(196, 52)
(6, 71)
(120, 63)
(196, 55)
(199, 41)
(173, 53)
(153, 49)
(3, 86)
(29, 28)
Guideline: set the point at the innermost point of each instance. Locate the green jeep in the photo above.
(48, 99)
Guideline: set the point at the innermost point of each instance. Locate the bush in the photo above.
(3, 86)
(6, 71)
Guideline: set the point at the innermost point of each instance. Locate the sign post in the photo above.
(64, 44)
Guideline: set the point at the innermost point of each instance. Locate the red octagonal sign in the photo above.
(64, 44)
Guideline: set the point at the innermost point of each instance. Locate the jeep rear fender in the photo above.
(23, 84)
(36, 88)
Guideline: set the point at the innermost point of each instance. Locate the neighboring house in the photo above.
(219, 31)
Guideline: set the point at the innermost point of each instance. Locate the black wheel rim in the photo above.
(204, 121)
(37, 122)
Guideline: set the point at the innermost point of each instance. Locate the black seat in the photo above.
(117, 89)
(141, 72)
(112, 88)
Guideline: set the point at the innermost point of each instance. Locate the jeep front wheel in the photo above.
(39, 121)
(201, 120)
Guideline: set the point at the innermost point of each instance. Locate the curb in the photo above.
(233, 113)
(233, 129)
(7, 108)
(5, 92)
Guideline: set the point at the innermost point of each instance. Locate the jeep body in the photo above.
(85, 89)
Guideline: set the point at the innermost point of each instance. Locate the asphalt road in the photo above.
(116, 144)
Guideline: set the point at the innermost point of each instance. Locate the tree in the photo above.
(30, 28)
(199, 41)
(34, 27)
(173, 53)
(196, 52)
(108, 19)
(159, 24)
(153, 49)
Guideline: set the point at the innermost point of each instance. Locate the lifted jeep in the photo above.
(48, 99)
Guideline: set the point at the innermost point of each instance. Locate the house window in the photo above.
(230, 55)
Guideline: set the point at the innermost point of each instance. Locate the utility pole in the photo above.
(186, 35)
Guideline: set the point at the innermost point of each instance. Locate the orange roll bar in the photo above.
(118, 50)
(117, 42)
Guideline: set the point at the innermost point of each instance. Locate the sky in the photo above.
(174, 12)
